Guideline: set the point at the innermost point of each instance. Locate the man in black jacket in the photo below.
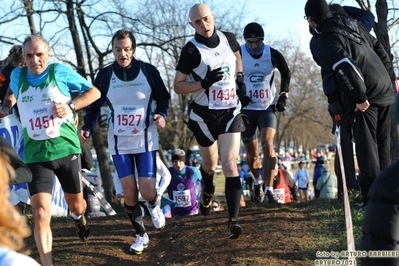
(360, 66)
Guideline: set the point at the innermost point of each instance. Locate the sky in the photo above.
(284, 18)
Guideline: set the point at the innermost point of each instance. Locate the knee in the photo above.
(41, 215)
(267, 148)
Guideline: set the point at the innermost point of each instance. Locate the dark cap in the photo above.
(317, 9)
(253, 30)
(321, 160)
(178, 154)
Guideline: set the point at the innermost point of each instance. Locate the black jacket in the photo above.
(381, 220)
(359, 62)
(22, 171)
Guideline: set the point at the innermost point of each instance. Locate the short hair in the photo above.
(35, 38)
(122, 34)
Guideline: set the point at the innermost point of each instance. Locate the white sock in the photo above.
(268, 188)
(76, 217)
(259, 180)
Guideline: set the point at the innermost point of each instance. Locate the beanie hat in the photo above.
(253, 30)
(178, 154)
(317, 9)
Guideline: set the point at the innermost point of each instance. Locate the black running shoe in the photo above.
(206, 203)
(270, 198)
(234, 230)
(256, 195)
(82, 229)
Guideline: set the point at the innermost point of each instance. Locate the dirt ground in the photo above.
(273, 235)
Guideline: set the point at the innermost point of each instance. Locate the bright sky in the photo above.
(284, 18)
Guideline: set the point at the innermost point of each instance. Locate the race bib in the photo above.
(222, 96)
(42, 124)
(183, 198)
(260, 95)
(279, 195)
(129, 120)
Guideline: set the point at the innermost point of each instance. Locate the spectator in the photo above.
(302, 178)
(215, 121)
(380, 225)
(185, 186)
(327, 184)
(134, 91)
(216, 207)
(318, 172)
(367, 19)
(360, 66)
(51, 141)
(13, 228)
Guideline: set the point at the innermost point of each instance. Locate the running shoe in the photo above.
(269, 198)
(234, 230)
(140, 244)
(157, 216)
(82, 229)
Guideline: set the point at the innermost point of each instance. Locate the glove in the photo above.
(245, 101)
(212, 77)
(242, 89)
(281, 101)
(335, 108)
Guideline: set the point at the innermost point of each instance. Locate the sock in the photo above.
(268, 188)
(76, 217)
(233, 191)
(135, 214)
(207, 178)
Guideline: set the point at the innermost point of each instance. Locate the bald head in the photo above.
(199, 9)
(202, 20)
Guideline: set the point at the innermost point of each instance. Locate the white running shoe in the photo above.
(157, 217)
(140, 244)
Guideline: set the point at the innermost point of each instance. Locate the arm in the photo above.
(8, 103)
(22, 171)
(163, 171)
(282, 66)
(344, 67)
(183, 86)
(86, 157)
(363, 16)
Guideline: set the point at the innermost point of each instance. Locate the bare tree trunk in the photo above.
(381, 31)
(75, 38)
(29, 15)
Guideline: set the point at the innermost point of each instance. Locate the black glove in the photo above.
(242, 89)
(245, 101)
(281, 101)
(212, 77)
(335, 108)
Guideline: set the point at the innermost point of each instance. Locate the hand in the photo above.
(61, 110)
(245, 101)
(159, 120)
(212, 77)
(4, 111)
(281, 101)
(242, 88)
(84, 135)
(117, 199)
(335, 108)
(362, 107)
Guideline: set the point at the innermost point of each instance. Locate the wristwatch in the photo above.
(72, 105)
